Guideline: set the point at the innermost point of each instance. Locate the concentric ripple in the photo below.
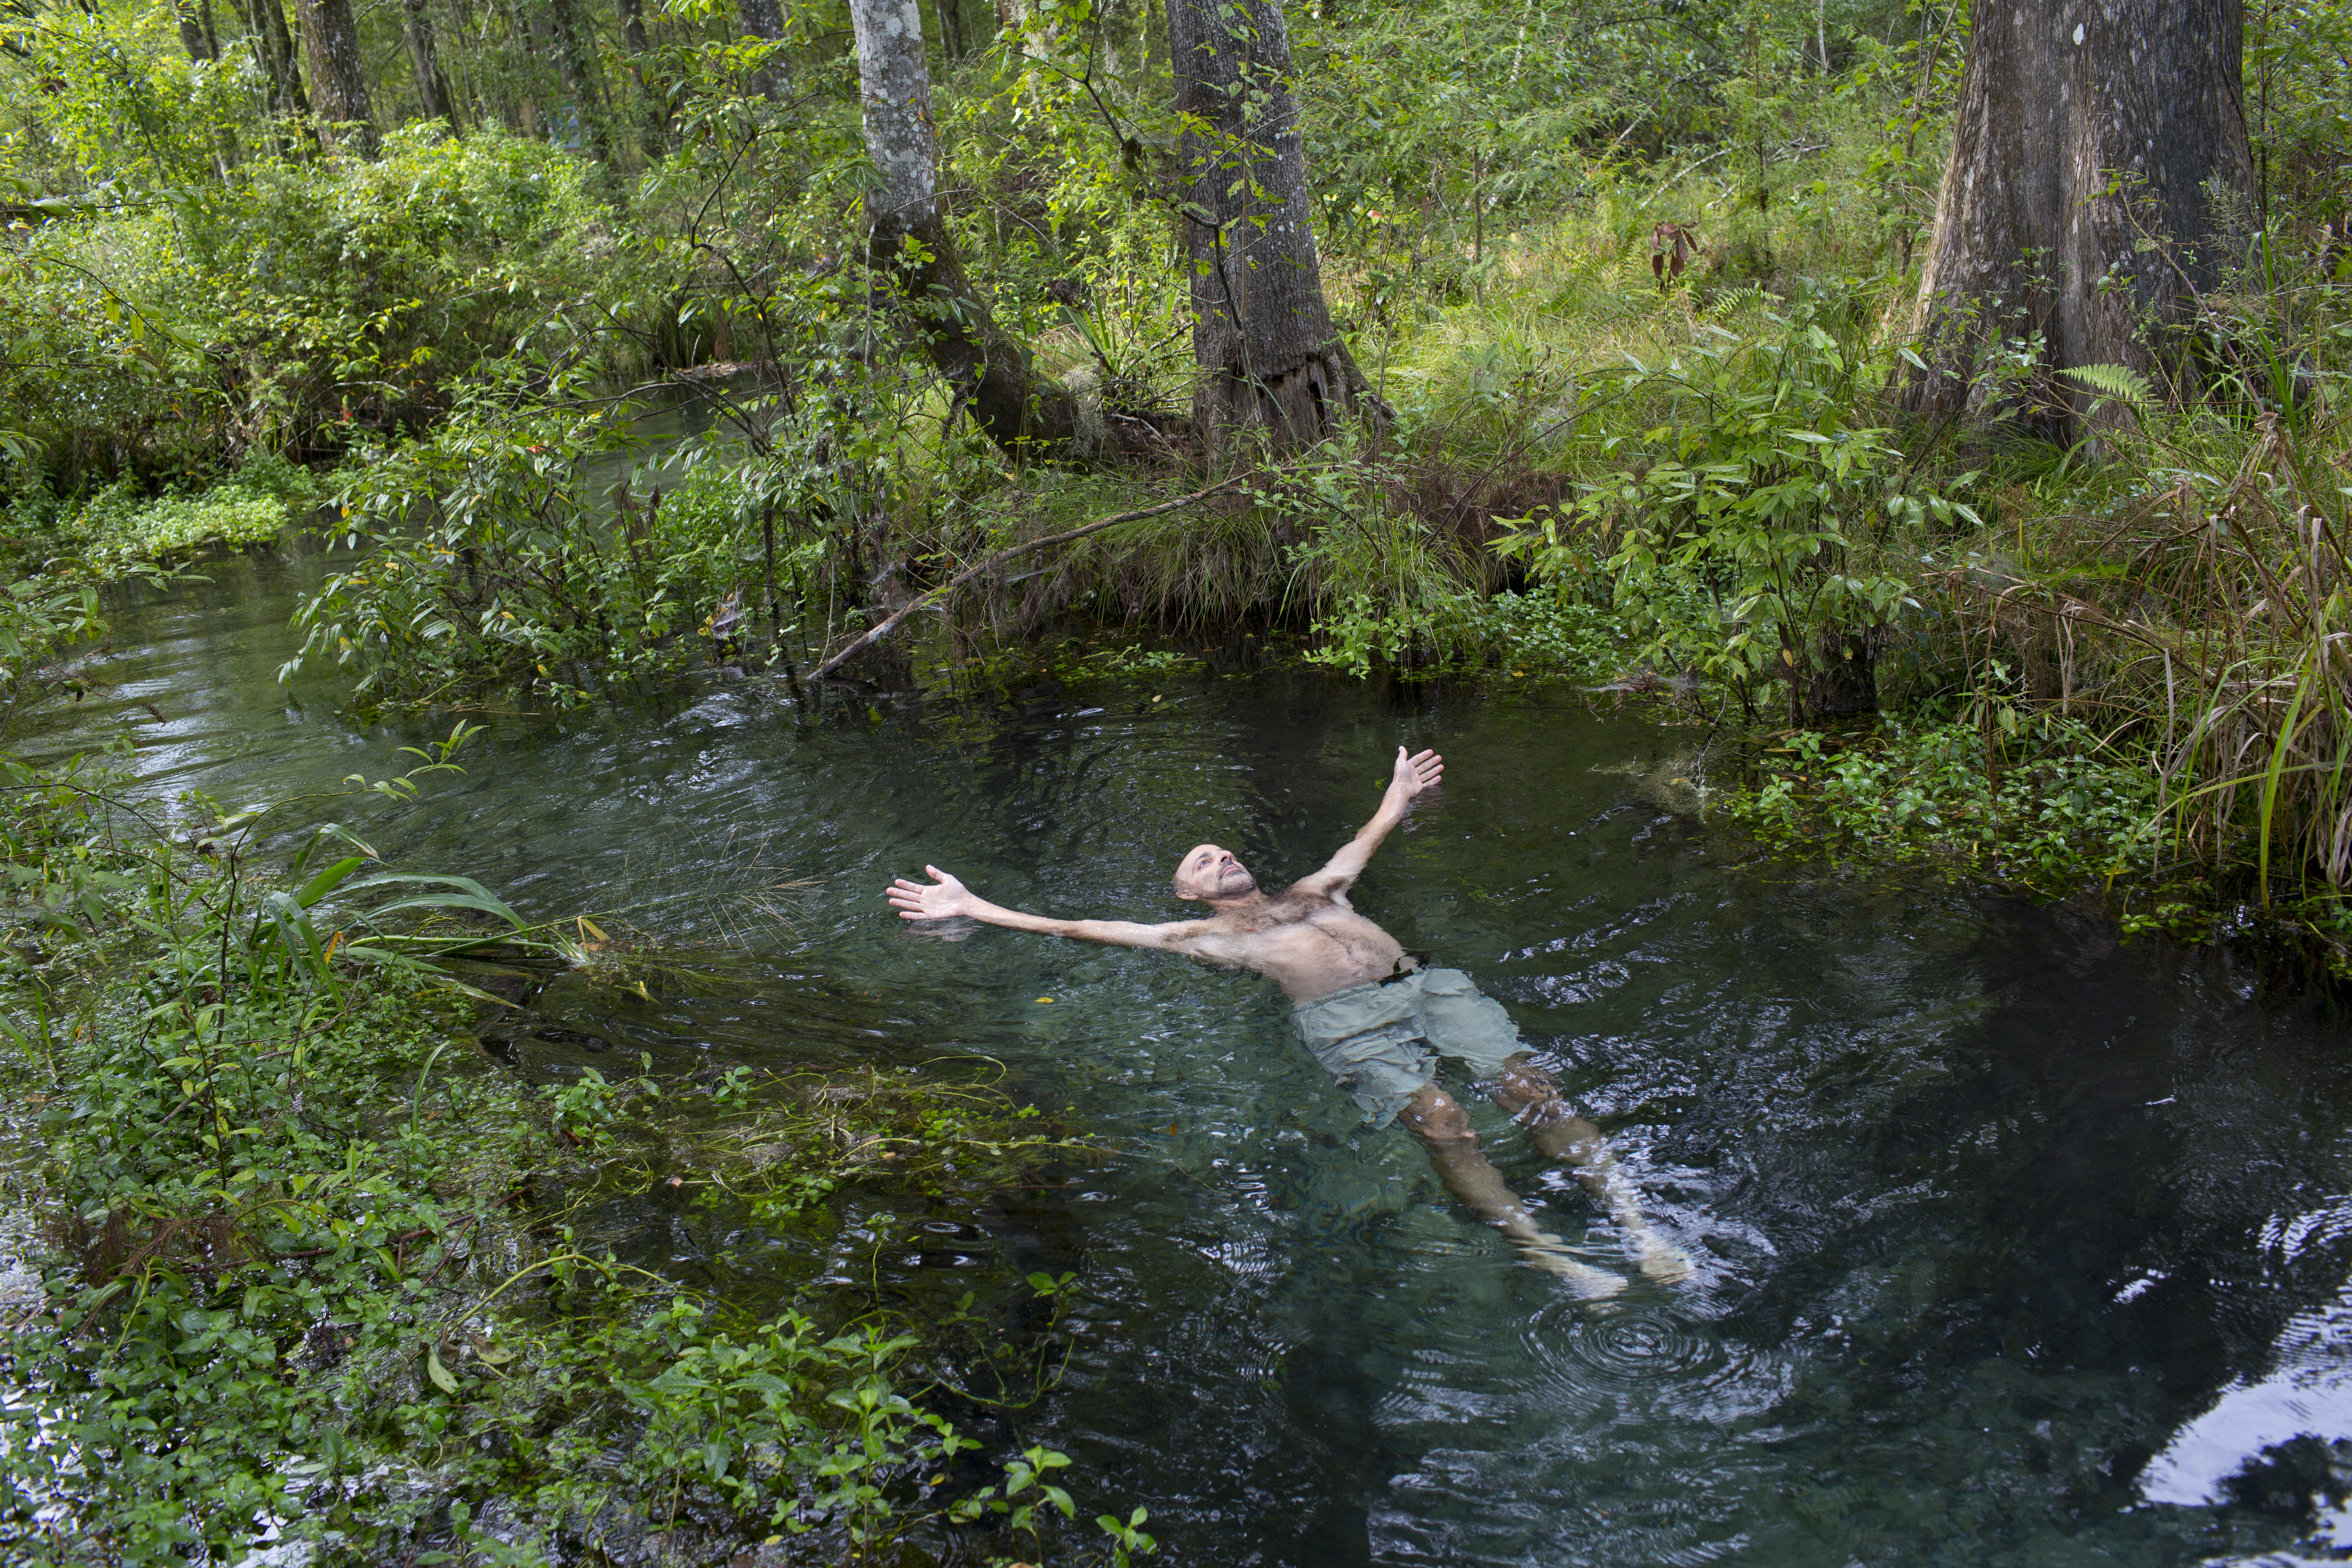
(1636, 1347)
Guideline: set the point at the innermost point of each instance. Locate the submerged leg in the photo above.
(1535, 1102)
(1434, 1117)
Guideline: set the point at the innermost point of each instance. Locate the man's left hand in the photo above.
(1420, 772)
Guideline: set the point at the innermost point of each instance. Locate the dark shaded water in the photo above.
(2014, 1246)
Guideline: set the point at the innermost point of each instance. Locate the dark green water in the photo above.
(2015, 1245)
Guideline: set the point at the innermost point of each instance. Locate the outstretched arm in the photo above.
(1413, 775)
(947, 897)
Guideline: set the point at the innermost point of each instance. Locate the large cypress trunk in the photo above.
(1262, 336)
(991, 372)
(330, 41)
(2085, 129)
(432, 87)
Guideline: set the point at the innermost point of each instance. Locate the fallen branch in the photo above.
(890, 622)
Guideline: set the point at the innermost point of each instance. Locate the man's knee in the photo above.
(1520, 1081)
(1434, 1115)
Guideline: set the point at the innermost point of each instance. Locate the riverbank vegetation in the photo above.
(318, 1268)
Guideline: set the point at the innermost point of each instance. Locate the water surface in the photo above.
(2015, 1245)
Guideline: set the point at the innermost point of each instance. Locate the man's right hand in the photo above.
(946, 899)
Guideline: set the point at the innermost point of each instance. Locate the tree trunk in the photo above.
(331, 42)
(196, 31)
(952, 42)
(989, 370)
(431, 87)
(265, 22)
(522, 33)
(2084, 128)
(568, 33)
(1262, 336)
(765, 19)
(653, 124)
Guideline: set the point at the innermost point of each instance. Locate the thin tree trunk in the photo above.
(523, 41)
(2079, 203)
(330, 41)
(653, 124)
(432, 87)
(195, 34)
(989, 370)
(203, 44)
(1262, 336)
(764, 19)
(264, 24)
(577, 67)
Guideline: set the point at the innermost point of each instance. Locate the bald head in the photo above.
(1211, 874)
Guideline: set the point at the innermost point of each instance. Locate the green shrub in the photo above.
(2056, 816)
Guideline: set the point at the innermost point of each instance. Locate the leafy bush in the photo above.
(115, 532)
(1751, 535)
(298, 306)
(2054, 820)
(494, 566)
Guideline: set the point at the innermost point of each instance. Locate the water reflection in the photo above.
(2013, 1245)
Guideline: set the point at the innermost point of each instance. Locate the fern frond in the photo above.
(2119, 382)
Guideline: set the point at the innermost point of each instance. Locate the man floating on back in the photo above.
(1375, 1019)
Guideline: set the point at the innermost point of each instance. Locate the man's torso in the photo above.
(1309, 944)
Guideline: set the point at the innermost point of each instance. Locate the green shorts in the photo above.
(1382, 1040)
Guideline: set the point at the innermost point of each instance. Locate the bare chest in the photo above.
(1319, 949)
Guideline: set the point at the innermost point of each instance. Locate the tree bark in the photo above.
(1261, 335)
(577, 67)
(330, 41)
(196, 30)
(653, 124)
(764, 19)
(991, 372)
(2084, 128)
(265, 22)
(432, 87)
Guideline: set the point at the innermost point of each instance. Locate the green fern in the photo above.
(2121, 382)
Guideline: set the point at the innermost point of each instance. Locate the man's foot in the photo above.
(1547, 1252)
(1661, 1259)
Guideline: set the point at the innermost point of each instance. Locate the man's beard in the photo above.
(1236, 882)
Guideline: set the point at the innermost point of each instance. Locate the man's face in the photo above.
(1209, 872)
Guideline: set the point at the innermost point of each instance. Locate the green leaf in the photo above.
(443, 1379)
(472, 895)
(2121, 382)
(326, 881)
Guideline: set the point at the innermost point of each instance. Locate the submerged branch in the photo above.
(890, 622)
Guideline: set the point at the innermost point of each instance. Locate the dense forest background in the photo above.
(1615, 345)
(1940, 412)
